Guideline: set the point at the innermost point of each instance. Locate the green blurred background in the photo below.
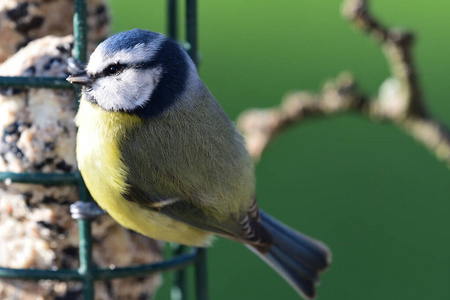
(374, 195)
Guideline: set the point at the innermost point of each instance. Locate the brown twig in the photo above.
(399, 101)
(261, 126)
(397, 46)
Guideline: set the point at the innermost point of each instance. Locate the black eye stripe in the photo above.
(145, 64)
(113, 69)
(117, 68)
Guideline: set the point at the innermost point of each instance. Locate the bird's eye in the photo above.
(113, 69)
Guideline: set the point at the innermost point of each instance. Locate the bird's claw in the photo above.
(75, 66)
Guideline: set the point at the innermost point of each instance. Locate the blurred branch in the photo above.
(399, 101)
(261, 126)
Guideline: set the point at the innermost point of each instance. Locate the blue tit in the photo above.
(159, 154)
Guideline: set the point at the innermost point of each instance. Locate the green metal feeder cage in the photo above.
(87, 273)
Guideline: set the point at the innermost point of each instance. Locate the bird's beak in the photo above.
(79, 78)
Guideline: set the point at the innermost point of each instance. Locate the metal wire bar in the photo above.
(39, 82)
(80, 31)
(31, 274)
(40, 178)
(201, 275)
(85, 227)
(178, 262)
(179, 284)
(172, 19)
(191, 29)
(86, 267)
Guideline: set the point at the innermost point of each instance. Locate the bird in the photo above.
(159, 154)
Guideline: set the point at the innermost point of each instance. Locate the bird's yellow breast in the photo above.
(100, 162)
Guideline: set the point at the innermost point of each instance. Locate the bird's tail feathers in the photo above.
(296, 257)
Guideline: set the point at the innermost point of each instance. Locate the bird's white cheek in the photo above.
(127, 91)
(108, 93)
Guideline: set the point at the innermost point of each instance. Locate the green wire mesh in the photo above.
(87, 273)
